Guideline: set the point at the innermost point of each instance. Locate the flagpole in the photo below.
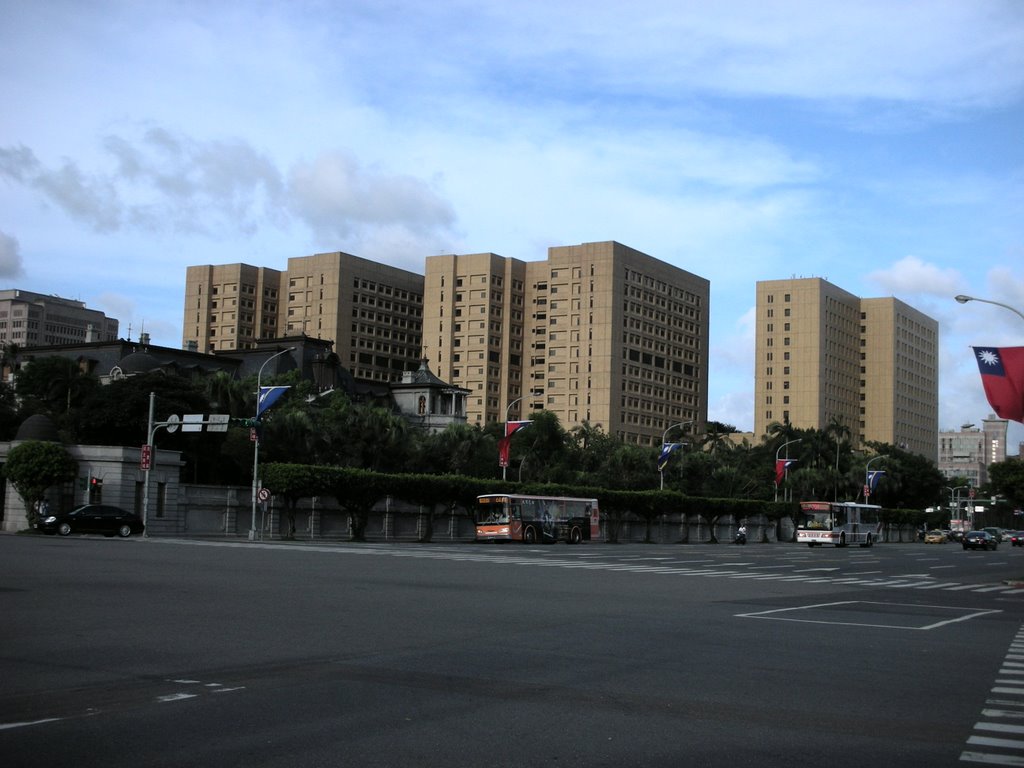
(256, 442)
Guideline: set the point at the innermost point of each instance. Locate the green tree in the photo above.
(1007, 479)
(35, 466)
(53, 385)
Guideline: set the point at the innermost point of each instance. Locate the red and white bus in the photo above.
(839, 523)
(532, 519)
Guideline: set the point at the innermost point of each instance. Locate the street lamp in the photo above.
(964, 299)
(664, 436)
(504, 469)
(867, 476)
(777, 452)
(256, 442)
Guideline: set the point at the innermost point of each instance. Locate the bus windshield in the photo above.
(492, 513)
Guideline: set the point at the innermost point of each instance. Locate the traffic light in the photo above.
(96, 483)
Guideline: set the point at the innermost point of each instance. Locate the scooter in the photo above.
(741, 537)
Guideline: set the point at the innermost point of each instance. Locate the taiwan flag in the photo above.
(1002, 375)
(781, 465)
(511, 427)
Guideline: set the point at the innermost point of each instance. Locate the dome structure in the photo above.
(38, 427)
(138, 362)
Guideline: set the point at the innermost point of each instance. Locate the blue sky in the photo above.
(879, 145)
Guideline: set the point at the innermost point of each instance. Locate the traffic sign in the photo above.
(146, 460)
(264, 494)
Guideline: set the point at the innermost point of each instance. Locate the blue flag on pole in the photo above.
(666, 451)
(269, 396)
(873, 477)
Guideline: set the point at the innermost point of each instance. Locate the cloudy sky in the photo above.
(879, 145)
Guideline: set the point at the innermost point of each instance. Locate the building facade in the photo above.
(824, 356)
(30, 319)
(598, 333)
(230, 307)
(371, 312)
(967, 453)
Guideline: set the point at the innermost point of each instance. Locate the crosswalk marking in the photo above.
(599, 561)
(991, 740)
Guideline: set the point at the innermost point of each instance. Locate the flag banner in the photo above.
(781, 465)
(1002, 376)
(511, 427)
(269, 396)
(873, 477)
(505, 443)
(666, 451)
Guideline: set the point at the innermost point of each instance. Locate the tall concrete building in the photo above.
(30, 319)
(824, 355)
(968, 452)
(372, 312)
(598, 332)
(230, 306)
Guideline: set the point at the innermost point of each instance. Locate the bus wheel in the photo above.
(530, 535)
(842, 539)
(868, 541)
(575, 535)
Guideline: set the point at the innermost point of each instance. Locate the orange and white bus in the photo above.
(532, 519)
(839, 523)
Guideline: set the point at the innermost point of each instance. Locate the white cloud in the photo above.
(913, 276)
(336, 196)
(10, 257)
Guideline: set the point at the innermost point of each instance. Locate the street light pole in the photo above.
(664, 436)
(777, 452)
(962, 299)
(256, 442)
(504, 469)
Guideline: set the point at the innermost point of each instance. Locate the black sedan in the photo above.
(980, 540)
(92, 518)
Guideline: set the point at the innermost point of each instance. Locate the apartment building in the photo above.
(967, 453)
(824, 355)
(597, 332)
(230, 307)
(30, 319)
(372, 312)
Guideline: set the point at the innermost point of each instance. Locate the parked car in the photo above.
(92, 518)
(980, 540)
(935, 537)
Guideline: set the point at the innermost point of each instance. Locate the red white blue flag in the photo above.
(781, 465)
(504, 443)
(1002, 375)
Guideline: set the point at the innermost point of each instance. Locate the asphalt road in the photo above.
(197, 653)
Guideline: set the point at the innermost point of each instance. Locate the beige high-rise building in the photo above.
(230, 306)
(823, 355)
(598, 332)
(372, 312)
